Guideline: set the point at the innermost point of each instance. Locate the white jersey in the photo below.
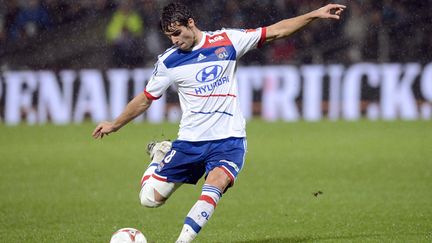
(206, 82)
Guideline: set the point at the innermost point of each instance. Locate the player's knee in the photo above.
(149, 202)
(154, 193)
(220, 178)
(148, 199)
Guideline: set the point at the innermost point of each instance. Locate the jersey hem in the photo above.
(209, 139)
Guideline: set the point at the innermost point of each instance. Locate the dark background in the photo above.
(66, 34)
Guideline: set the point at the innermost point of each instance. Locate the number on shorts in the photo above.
(169, 157)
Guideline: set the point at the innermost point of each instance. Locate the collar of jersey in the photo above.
(201, 43)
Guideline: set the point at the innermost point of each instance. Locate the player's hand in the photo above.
(102, 129)
(330, 11)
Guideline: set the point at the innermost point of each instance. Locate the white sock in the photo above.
(200, 213)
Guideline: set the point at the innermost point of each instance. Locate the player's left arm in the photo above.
(287, 27)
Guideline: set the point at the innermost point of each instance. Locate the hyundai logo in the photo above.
(209, 73)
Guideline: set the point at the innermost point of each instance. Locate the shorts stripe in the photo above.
(244, 154)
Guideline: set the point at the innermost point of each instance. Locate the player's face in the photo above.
(182, 36)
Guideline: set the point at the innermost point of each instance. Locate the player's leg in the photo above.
(181, 163)
(154, 191)
(216, 183)
(224, 168)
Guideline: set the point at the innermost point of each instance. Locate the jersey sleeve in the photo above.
(158, 82)
(246, 40)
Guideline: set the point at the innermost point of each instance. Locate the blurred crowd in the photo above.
(22, 19)
(380, 31)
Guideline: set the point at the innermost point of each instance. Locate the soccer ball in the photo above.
(128, 235)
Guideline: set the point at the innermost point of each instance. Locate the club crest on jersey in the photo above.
(209, 73)
(221, 53)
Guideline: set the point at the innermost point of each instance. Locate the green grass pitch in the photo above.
(57, 184)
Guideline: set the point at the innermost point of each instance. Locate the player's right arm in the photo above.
(134, 108)
(156, 86)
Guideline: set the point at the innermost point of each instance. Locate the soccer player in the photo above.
(212, 138)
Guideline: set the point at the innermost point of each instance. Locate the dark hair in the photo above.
(172, 13)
